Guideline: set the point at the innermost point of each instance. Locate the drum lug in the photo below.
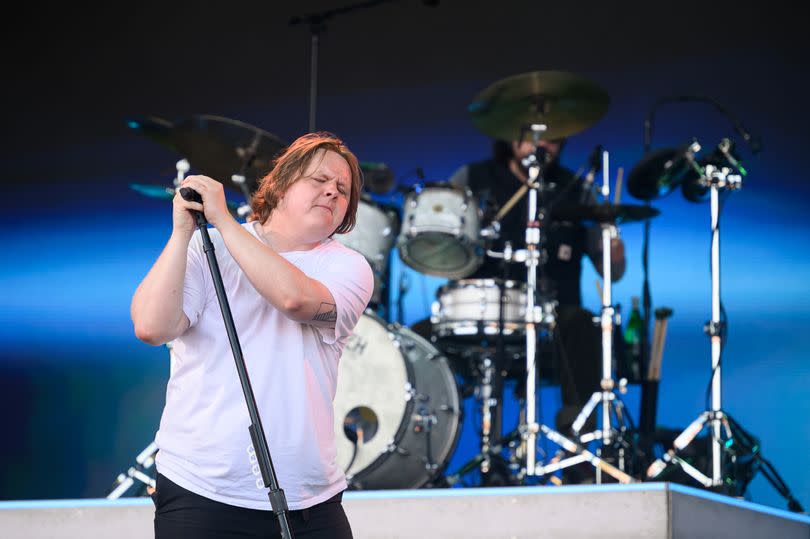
(394, 448)
(423, 421)
(410, 392)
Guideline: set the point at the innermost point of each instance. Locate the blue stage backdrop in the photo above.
(81, 396)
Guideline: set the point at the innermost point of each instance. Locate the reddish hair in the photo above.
(290, 166)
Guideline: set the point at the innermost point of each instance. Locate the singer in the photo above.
(573, 357)
(295, 295)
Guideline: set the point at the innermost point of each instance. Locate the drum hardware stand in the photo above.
(534, 317)
(716, 179)
(611, 404)
(258, 451)
(511, 440)
(143, 462)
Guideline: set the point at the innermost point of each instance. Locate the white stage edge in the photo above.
(648, 510)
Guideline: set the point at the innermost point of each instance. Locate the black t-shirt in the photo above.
(565, 243)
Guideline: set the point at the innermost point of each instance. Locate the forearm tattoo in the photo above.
(327, 312)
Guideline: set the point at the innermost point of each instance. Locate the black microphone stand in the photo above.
(317, 25)
(261, 452)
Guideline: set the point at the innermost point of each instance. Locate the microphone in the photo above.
(190, 194)
(193, 196)
(754, 143)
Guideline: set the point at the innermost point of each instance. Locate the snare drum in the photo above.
(470, 308)
(440, 232)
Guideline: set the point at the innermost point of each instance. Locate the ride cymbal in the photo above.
(604, 213)
(564, 102)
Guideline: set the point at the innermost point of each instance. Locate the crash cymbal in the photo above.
(220, 147)
(566, 103)
(215, 146)
(166, 193)
(604, 213)
(378, 178)
(659, 173)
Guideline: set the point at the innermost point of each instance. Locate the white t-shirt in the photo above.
(203, 438)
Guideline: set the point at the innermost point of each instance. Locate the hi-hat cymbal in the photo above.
(217, 147)
(604, 213)
(564, 102)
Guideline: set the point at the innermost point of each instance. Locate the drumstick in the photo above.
(618, 193)
(511, 202)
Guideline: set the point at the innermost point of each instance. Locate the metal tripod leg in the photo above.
(144, 461)
(671, 457)
(578, 449)
(476, 461)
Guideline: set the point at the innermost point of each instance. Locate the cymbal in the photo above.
(377, 177)
(220, 147)
(604, 213)
(152, 127)
(215, 146)
(659, 173)
(564, 102)
(165, 193)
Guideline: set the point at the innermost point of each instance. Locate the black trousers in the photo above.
(180, 514)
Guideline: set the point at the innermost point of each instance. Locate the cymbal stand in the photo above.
(143, 462)
(182, 167)
(611, 404)
(244, 209)
(534, 317)
(716, 179)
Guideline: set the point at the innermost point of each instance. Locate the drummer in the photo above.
(577, 344)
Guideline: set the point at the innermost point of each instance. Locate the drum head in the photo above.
(439, 254)
(397, 408)
(370, 399)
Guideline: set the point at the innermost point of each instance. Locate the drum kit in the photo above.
(399, 404)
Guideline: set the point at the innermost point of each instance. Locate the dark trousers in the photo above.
(577, 356)
(181, 514)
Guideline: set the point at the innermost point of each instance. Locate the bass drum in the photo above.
(397, 408)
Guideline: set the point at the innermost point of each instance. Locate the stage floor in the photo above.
(649, 510)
